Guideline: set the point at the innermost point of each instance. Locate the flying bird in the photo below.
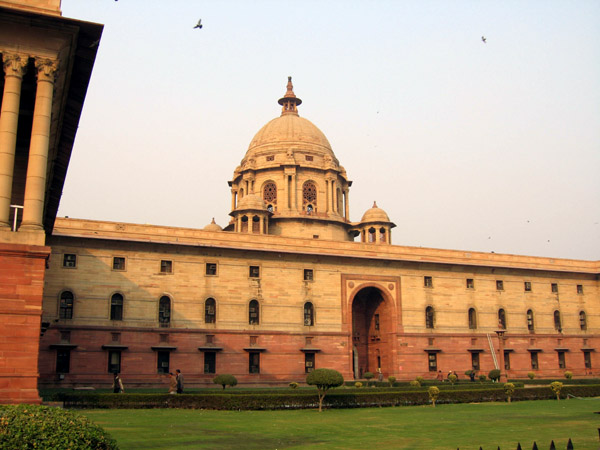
(483, 39)
(199, 24)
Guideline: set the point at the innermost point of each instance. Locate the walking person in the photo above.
(117, 385)
(179, 378)
(172, 383)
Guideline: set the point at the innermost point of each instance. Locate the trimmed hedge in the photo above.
(34, 426)
(336, 398)
(539, 381)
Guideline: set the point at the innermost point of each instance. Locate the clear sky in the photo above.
(466, 145)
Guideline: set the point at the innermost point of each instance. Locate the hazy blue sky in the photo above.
(466, 145)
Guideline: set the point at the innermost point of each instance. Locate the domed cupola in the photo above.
(251, 215)
(375, 226)
(291, 167)
(212, 226)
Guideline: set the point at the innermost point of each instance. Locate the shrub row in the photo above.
(338, 398)
(578, 381)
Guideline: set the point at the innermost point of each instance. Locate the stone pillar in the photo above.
(294, 193)
(347, 203)
(503, 375)
(35, 185)
(327, 197)
(233, 194)
(261, 229)
(14, 69)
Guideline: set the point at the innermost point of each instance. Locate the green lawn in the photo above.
(464, 426)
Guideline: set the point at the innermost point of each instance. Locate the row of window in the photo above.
(166, 267)
(470, 284)
(66, 307)
(561, 359)
(163, 363)
(472, 316)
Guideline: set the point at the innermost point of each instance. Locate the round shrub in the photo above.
(482, 378)
(368, 375)
(531, 375)
(494, 374)
(433, 392)
(391, 380)
(420, 380)
(33, 426)
(468, 372)
(556, 387)
(293, 385)
(509, 390)
(568, 375)
(452, 378)
(415, 383)
(358, 384)
(225, 380)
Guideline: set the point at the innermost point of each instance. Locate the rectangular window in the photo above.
(555, 288)
(118, 263)
(163, 338)
(309, 362)
(527, 286)
(470, 283)
(115, 337)
(506, 360)
(69, 260)
(114, 361)
(270, 158)
(211, 268)
(499, 285)
(162, 359)
(534, 361)
(210, 338)
(254, 272)
(475, 360)
(432, 358)
(308, 274)
(561, 360)
(254, 362)
(428, 282)
(65, 336)
(63, 360)
(587, 359)
(210, 362)
(580, 288)
(166, 266)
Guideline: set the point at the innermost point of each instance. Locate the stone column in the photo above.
(233, 194)
(335, 197)
(35, 185)
(294, 192)
(347, 203)
(14, 69)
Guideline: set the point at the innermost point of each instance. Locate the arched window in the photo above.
(270, 195)
(66, 305)
(255, 224)
(502, 319)
(582, 320)
(309, 314)
(382, 237)
(557, 324)
(253, 313)
(429, 317)
(210, 310)
(244, 224)
(116, 307)
(309, 196)
(372, 235)
(530, 324)
(472, 319)
(164, 311)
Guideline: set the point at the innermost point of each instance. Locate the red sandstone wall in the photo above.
(22, 270)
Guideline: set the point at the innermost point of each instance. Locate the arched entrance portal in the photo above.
(371, 333)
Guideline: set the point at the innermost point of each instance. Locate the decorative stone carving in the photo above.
(46, 69)
(15, 64)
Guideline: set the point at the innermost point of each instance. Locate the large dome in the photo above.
(288, 134)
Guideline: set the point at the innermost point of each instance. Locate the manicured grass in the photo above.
(464, 426)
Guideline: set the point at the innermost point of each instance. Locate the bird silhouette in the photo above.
(483, 39)
(199, 24)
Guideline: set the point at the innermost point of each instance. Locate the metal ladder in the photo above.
(492, 351)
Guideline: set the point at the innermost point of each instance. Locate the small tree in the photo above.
(482, 377)
(225, 380)
(434, 393)
(568, 375)
(391, 380)
(556, 387)
(531, 375)
(509, 390)
(324, 379)
(494, 375)
(368, 376)
(415, 383)
(452, 378)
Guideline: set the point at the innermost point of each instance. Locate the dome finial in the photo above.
(289, 101)
(374, 204)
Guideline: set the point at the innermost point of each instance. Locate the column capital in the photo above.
(46, 69)
(15, 64)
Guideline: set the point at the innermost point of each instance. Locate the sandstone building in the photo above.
(290, 284)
